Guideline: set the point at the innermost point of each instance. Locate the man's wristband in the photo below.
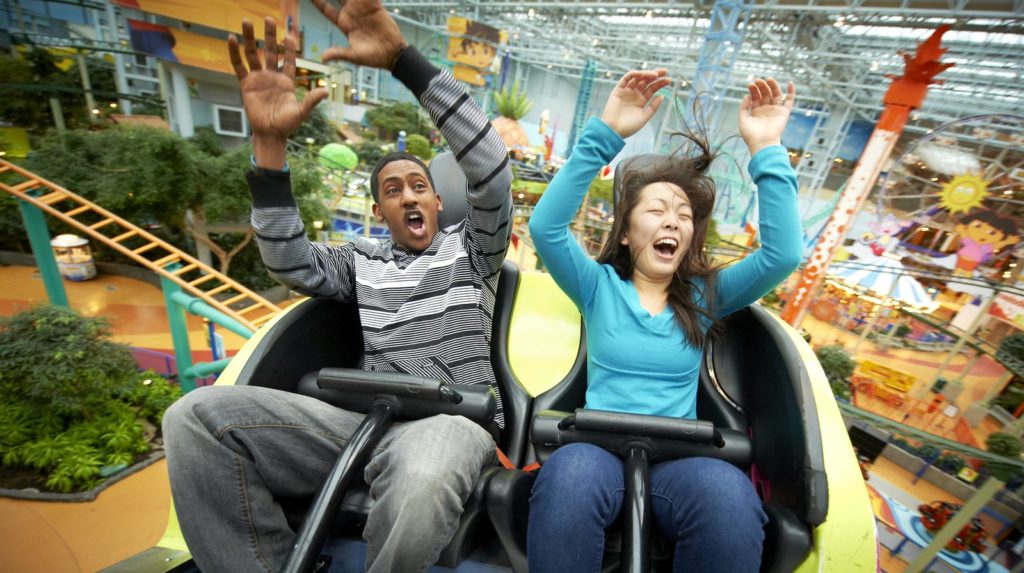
(252, 158)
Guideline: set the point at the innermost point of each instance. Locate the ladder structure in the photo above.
(582, 105)
(194, 276)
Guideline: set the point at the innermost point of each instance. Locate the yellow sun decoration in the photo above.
(963, 193)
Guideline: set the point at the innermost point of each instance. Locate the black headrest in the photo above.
(451, 184)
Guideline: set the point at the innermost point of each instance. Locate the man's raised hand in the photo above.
(373, 36)
(268, 86)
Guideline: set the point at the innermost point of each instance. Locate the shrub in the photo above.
(72, 405)
(950, 463)
(836, 362)
(419, 146)
(1003, 444)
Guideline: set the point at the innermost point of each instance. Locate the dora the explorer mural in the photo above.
(472, 48)
(983, 232)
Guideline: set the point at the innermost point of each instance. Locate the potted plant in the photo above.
(74, 410)
(838, 366)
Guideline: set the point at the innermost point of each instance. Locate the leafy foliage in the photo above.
(316, 127)
(836, 362)
(71, 401)
(1013, 396)
(950, 463)
(391, 118)
(369, 152)
(1003, 444)
(419, 146)
(27, 105)
(151, 177)
(512, 103)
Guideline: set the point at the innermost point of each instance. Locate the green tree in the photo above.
(316, 127)
(391, 118)
(1003, 444)
(31, 80)
(419, 146)
(153, 178)
(369, 153)
(836, 362)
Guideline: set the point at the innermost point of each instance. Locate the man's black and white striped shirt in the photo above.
(423, 313)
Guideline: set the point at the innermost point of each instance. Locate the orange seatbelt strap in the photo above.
(503, 459)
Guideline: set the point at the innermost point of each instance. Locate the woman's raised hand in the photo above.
(633, 102)
(764, 113)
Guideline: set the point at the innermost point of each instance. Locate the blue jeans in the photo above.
(706, 507)
(233, 450)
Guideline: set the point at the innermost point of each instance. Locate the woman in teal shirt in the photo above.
(648, 302)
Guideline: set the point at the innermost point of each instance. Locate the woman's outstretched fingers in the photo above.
(776, 90)
(790, 95)
(236, 57)
(653, 87)
(270, 43)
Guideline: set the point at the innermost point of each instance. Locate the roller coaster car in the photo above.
(760, 386)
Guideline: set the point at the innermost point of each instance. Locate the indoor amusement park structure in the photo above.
(906, 93)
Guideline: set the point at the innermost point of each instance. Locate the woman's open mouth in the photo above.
(666, 247)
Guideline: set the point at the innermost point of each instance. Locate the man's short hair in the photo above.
(390, 157)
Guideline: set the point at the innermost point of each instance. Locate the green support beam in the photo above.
(204, 369)
(179, 335)
(198, 307)
(39, 238)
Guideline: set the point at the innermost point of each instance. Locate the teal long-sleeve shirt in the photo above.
(636, 362)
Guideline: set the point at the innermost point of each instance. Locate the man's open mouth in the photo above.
(414, 220)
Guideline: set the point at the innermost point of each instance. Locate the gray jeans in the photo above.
(232, 450)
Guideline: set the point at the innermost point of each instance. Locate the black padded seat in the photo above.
(752, 382)
(327, 333)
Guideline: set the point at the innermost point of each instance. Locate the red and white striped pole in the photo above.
(906, 93)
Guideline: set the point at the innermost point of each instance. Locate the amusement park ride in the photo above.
(763, 395)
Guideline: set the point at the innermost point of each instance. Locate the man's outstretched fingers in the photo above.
(270, 43)
(289, 57)
(236, 57)
(312, 98)
(327, 9)
(336, 53)
(250, 47)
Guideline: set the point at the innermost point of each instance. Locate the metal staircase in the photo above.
(146, 249)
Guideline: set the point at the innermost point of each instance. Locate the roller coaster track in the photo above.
(146, 249)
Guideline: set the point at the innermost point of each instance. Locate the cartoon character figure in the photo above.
(884, 231)
(474, 52)
(982, 234)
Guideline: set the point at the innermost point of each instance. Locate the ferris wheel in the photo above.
(974, 162)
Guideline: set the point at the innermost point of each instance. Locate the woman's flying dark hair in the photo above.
(691, 291)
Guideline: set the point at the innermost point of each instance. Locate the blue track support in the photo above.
(722, 44)
(582, 105)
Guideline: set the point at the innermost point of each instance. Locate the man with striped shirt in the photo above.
(425, 298)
